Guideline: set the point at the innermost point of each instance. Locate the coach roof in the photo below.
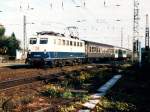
(96, 43)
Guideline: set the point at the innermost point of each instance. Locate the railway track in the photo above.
(4, 85)
(16, 82)
(9, 83)
(8, 73)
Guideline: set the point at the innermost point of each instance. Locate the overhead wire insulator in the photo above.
(104, 3)
(84, 4)
(28, 6)
(62, 4)
(50, 4)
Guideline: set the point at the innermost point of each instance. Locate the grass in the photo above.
(113, 106)
(60, 91)
(130, 94)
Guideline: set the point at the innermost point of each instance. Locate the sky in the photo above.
(96, 20)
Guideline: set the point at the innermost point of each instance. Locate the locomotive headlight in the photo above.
(44, 51)
(29, 51)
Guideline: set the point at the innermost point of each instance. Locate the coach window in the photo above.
(43, 40)
(94, 49)
(70, 43)
(112, 51)
(106, 51)
(33, 40)
(102, 50)
(63, 42)
(90, 49)
(97, 50)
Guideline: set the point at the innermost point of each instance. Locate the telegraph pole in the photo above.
(136, 19)
(24, 34)
(24, 9)
(121, 36)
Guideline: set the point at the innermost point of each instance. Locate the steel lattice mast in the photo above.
(136, 30)
(147, 33)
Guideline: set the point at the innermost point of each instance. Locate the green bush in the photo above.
(67, 95)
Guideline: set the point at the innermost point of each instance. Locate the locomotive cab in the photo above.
(37, 51)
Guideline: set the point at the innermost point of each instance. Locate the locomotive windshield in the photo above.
(33, 40)
(43, 40)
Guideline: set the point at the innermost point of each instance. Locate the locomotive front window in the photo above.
(116, 51)
(33, 40)
(43, 40)
(124, 52)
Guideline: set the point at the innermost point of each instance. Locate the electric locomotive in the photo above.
(50, 48)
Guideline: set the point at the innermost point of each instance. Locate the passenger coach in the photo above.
(97, 52)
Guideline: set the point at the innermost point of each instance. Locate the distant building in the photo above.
(1, 25)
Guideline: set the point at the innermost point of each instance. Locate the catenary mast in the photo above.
(147, 33)
(136, 31)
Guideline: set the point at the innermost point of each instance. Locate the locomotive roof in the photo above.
(50, 33)
(54, 34)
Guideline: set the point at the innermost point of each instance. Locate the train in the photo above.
(56, 49)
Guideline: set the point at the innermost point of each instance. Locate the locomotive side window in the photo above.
(67, 42)
(54, 41)
(70, 43)
(43, 40)
(59, 41)
(74, 43)
(77, 43)
(63, 42)
(33, 40)
(80, 44)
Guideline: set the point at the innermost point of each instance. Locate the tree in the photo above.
(12, 45)
(2, 31)
(3, 42)
(8, 45)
